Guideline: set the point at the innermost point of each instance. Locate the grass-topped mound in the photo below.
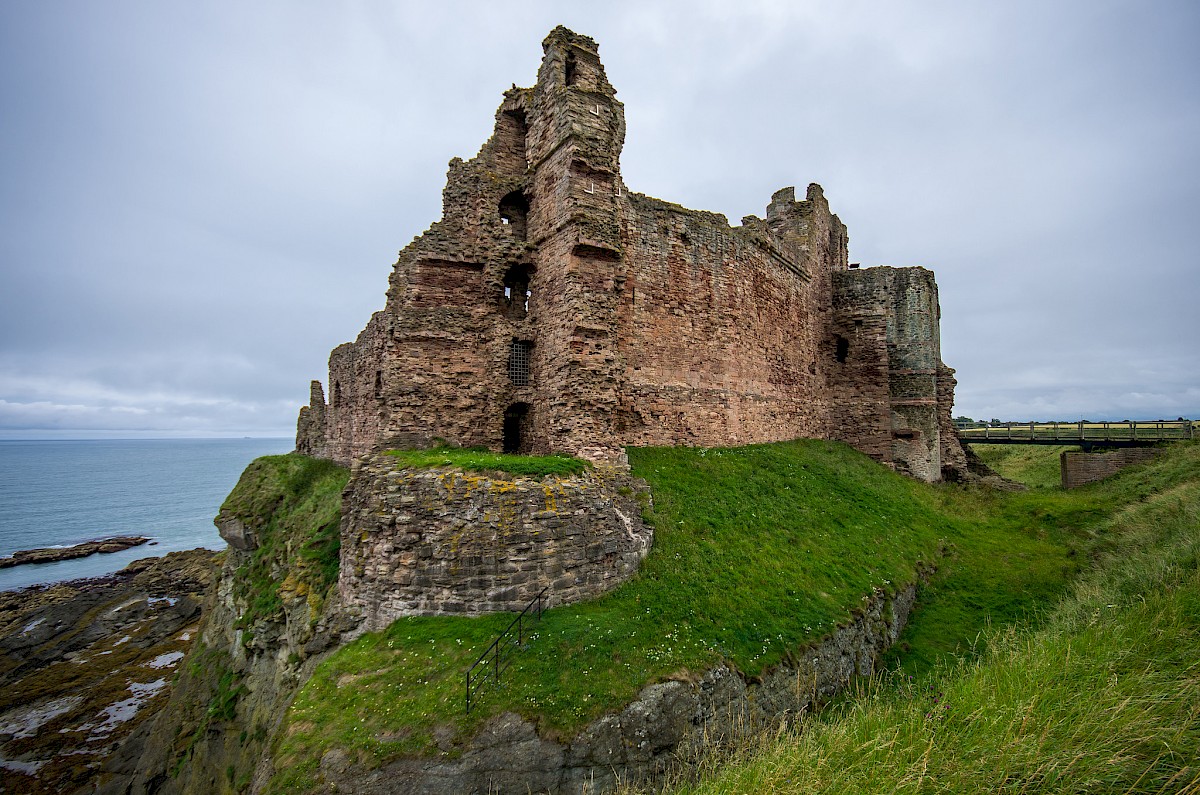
(479, 459)
(1099, 695)
(292, 505)
(758, 551)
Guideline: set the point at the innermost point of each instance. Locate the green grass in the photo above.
(292, 504)
(1102, 695)
(758, 551)
(477, 459)
(1036, 466)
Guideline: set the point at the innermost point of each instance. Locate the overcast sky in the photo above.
(200, 199)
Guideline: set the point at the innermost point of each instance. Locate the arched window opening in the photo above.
(842, 348)
(378, 384)
(335, 395)
(516, 291)
(514, 207)
(515, 434)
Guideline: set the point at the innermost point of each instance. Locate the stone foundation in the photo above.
(1080, 468)
(438, 541)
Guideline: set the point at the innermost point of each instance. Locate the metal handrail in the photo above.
(493, 658)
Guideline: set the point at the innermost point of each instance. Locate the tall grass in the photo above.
(757, 551)
(1101, 696)
(1037, 466)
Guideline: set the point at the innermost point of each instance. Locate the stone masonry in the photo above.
(438, 541)
(553, 310)
(1079, 468)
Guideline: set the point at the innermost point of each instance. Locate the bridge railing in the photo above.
(1071, 432)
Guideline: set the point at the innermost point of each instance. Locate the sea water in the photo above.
(59, 493)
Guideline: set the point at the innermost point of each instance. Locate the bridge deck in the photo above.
(1109, 434)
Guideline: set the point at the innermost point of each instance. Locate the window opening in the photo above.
(518, 362)
(378, 383)
(842, 348)
(513, 131)
(516, 291)
(570, 73)
(335, 396)
(514, 208)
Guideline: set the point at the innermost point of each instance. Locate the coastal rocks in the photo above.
(54, 554)
(664, 733)
(85, 665)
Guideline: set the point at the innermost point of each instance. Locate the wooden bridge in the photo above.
(1085, 434)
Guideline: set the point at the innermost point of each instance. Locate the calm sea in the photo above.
(58, 493)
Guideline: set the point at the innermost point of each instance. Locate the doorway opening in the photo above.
(515, 417)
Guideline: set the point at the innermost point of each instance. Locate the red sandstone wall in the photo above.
(714, 335)
(646, 323)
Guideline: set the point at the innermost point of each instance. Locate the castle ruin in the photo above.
(552, 310)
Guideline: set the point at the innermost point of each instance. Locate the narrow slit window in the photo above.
(842, 346)
(518, 362)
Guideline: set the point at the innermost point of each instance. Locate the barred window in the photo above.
(518, 362)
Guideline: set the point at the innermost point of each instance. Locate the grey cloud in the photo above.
(202, 200)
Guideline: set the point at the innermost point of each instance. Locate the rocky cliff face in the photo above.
(261, 635)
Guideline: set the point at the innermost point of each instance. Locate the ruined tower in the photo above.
(552, 310)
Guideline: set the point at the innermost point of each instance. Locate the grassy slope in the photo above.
(293, 505)
(757, 551)
(1101, 695)
(483, 460)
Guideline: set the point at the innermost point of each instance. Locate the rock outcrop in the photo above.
(85, 667)
(53, 554)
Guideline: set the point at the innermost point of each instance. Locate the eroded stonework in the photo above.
(438, 541)
(553, 310)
